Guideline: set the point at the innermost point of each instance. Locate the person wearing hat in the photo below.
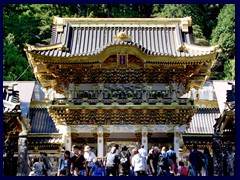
(89, 157)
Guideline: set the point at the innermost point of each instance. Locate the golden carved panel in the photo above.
(122, 116)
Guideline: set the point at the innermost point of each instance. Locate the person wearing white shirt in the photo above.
(142, 151)
(139, 164)
(89, 157)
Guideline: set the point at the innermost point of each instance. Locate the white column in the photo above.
(177, 140)
(145, 138)
(100, 141)
(66, 136)
(68, 139)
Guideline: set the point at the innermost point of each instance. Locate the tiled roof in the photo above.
(25, 91)
(40, 121)
(89, 40)
(10, 98)
(230, 95)
(46, 140)
(203, 121)
(9, 93)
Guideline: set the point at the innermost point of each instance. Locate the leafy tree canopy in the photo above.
(224, 35)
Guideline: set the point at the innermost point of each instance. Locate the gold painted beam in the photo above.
(118, 115)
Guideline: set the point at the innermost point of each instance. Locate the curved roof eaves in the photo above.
(59, 53)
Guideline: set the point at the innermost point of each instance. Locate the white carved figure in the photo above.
(178, 88)
(174, 86)
(71, 86)
(181, 89)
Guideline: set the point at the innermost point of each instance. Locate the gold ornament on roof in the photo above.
(122, 36)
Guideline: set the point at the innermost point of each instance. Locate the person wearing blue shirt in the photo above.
(98, 169)
(65, 163)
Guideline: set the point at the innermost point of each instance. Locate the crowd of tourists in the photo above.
(126, 161)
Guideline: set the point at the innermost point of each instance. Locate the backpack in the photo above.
(183, 171)
(124, 160)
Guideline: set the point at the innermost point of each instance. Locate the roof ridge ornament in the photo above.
(122, 36)
(215, 48)
(185, 23)
(182, 48)
(60, 46)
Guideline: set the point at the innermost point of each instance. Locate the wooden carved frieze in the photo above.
(58, 75)
(122, 116)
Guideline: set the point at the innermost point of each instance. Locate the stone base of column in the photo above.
(23, 168)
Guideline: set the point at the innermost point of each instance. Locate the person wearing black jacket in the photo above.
(196, 159)
(153, 160)
(77, 162)
(125, 162)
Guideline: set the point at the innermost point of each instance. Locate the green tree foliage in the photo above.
(117, 10)
(184, 10)
(19, 29)
(224, 35)
(229, 69)
(20, 23)
(14, 64)
(203, 17)
(157, 9)
(199, 38)
(211, 12)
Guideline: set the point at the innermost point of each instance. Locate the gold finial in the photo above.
(122, 36)
(182, 48)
